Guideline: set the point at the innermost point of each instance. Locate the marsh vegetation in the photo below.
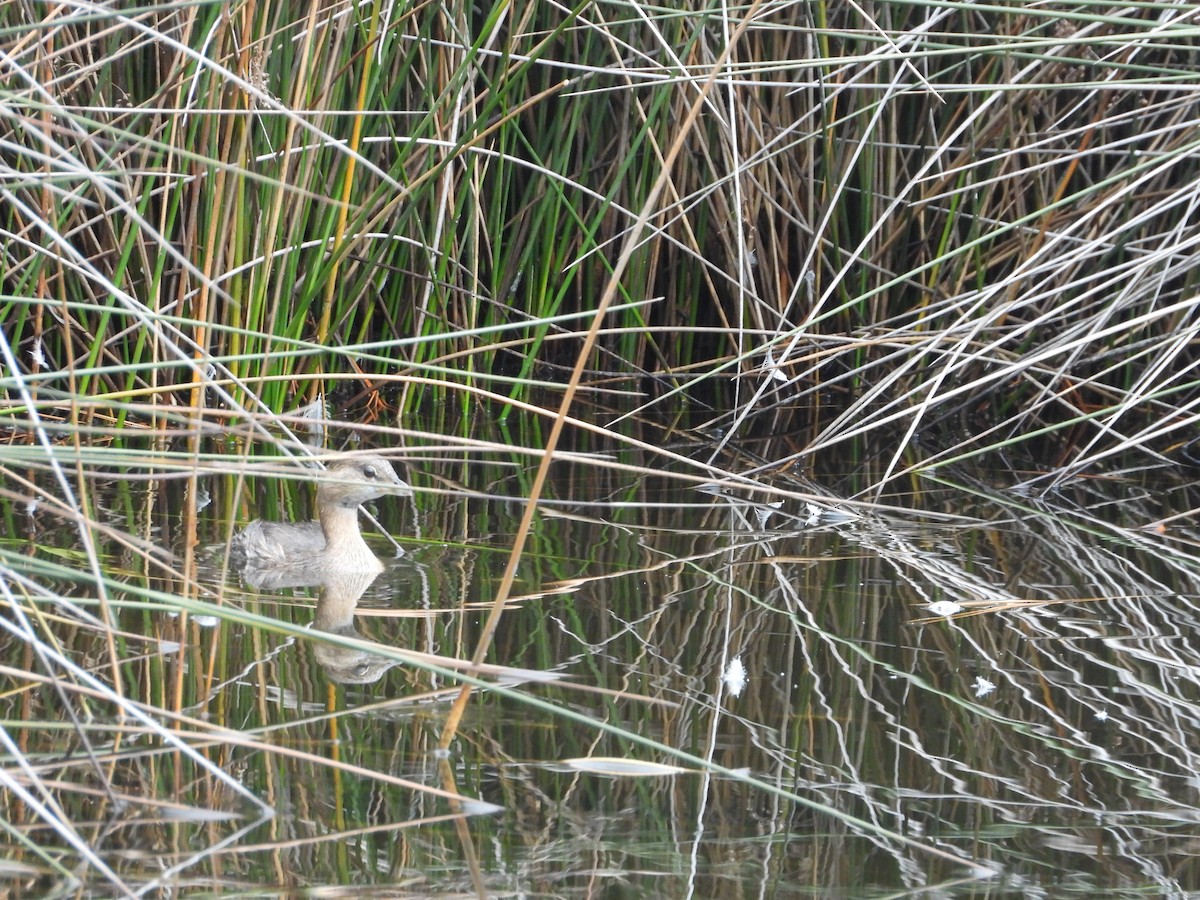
(798, 400)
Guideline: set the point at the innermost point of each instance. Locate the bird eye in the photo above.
(369, 471)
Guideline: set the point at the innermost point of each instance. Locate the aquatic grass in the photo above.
(949, 230)
(869, 172)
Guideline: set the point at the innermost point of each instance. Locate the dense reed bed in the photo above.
(740, 241)
(958, 220)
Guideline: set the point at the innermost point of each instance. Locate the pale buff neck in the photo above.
(344, 544)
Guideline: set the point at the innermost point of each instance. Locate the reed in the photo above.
(914, 210)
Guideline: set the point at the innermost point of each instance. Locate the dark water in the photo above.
(991, 694)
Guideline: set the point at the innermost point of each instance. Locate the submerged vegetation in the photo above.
(734, 242)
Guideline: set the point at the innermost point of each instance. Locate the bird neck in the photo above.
(343, 541)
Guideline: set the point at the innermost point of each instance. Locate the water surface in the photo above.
(727, 694)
